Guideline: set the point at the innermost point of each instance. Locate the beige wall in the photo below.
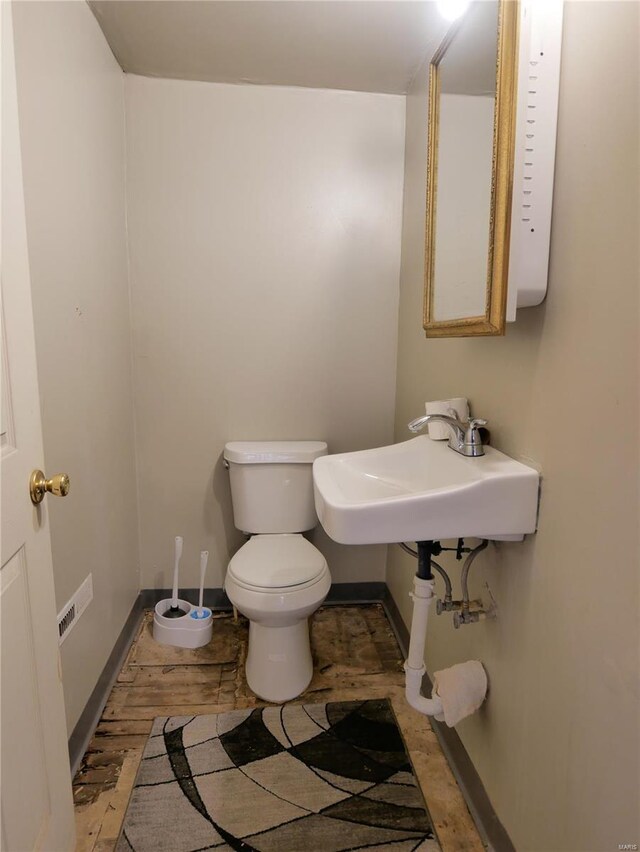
(265, 249)
(557, 742)
(71, 103)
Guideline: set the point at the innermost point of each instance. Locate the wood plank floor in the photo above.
(356, 656)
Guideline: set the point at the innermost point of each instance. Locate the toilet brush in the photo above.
(177, 622)
(174, 610)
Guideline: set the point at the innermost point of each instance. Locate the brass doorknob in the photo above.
(58, 485)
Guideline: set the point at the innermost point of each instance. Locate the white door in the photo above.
(37, 808)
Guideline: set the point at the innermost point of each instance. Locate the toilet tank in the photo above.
(272, 484)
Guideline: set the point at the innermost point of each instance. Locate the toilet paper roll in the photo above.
(457, 407)
(462, 689)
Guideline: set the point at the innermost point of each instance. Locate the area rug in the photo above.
(296, 778)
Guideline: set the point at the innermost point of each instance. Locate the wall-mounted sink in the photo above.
(422, 490)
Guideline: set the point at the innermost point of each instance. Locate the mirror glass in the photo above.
(467, 100)
(471, 117)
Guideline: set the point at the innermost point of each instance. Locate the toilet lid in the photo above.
(277, 561)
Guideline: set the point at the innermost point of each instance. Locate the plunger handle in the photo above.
(174, 595)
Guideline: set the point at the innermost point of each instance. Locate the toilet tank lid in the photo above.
(269, 452)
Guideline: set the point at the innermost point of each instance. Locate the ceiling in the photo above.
(469, 64)
(358, 45)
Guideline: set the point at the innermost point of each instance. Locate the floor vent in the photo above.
(73, 609)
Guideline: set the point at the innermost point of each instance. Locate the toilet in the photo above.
(278, 578)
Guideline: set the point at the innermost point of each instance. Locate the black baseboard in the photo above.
(88, 721)
(216, 599)
(356, 593)
(491, 830)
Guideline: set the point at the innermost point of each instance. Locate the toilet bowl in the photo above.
(278, 578)
(277, 582)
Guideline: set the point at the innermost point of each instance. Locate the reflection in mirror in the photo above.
(464, 165)
(470, 171)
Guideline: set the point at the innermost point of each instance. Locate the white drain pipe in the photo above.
(423, 591)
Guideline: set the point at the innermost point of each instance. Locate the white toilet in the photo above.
(278, 578)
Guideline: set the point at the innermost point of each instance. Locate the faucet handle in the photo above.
(472, 440)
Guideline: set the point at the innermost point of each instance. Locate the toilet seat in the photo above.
(277, 562)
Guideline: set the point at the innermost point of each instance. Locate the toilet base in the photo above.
(279, 665)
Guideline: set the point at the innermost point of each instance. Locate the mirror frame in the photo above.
(494, 319)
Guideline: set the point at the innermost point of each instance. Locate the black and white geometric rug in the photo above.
(295, 778)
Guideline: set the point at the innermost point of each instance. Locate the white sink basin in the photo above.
(423, 490)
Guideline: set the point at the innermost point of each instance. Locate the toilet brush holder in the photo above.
(191, 630)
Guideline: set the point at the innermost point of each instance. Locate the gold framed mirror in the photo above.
(471, 140)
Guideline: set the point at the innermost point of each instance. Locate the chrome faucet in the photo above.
(465, 437)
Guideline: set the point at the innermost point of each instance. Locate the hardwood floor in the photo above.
(356, 656)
